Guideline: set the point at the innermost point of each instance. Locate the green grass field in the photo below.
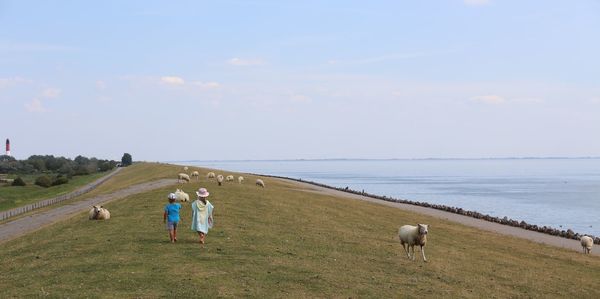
(16, 196)
(280, 241)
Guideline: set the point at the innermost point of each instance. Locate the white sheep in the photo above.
(220, 179)
(229, 178)
(185, 168)
(587, 243)
(196, 175)
(210, 175)
(183, 177)
(99, 213)
(413, 235)
(260, 182)
(182, 196)
(240, 179)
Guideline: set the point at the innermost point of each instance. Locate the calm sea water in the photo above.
(562, 193)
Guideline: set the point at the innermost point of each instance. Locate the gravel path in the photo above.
(27, 224)
(469, 221)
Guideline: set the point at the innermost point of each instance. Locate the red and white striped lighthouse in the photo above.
(7, 147)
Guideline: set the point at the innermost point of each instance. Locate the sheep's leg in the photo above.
(407, 253)
(413, 252)
(423, 253)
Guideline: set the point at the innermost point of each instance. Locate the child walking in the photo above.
(171, 216)
(202, 217)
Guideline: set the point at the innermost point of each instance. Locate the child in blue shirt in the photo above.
(171, 216)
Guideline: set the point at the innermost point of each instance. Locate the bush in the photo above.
(59, 180)
(43, 181)
(126, 160)
(18, 182)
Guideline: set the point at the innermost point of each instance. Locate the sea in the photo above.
(561, 193)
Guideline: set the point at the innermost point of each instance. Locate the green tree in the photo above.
(126, 160)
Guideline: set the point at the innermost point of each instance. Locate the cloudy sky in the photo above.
(252, 79)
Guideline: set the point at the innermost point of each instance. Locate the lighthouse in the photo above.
(7, 147)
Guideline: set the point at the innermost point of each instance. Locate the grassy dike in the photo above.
(281, 241)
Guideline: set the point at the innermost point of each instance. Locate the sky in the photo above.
(235, 80)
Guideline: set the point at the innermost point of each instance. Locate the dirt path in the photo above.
(27, 224)
(469, 221)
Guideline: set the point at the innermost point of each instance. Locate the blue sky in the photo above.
(176, 80)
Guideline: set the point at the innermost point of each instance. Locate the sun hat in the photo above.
(202, 192)
(172, 196)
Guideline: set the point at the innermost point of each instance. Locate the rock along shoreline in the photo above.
(568, 234)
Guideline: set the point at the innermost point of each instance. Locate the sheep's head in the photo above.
(423, 229)
(96, 209)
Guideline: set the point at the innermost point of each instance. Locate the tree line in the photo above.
(57, 165)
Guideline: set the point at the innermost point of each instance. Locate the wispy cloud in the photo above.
(101, 85)
(496, 99)
(8, 82)
(388, 57)
(8, 46)
(104, 99)
(172, 80)
(206, 85)
(527, 100)
(51, 93)
(35, 106)
(300, 98)
(476, 2)
(245, 62)
(489, 99)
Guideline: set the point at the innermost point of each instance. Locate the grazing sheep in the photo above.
(196, 175)
(99, 213)
(220, 179)
(260, 182)
(185, 168)
(586, 243)
(413, 235)
(182, 196)
(229, 178)
(240, 179)
(183, 178)
(210, 175)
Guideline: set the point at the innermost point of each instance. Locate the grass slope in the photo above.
(16, 196)
(280, 242)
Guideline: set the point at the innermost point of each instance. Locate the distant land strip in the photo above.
(392, 159)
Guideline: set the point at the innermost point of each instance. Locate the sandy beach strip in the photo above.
(465, 220)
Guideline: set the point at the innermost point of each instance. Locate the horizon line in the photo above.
(388, 159)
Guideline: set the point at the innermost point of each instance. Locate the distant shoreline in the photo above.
(390, 159)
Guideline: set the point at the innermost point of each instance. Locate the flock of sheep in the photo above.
(185, 178)
(101, 213)
(409, 235)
